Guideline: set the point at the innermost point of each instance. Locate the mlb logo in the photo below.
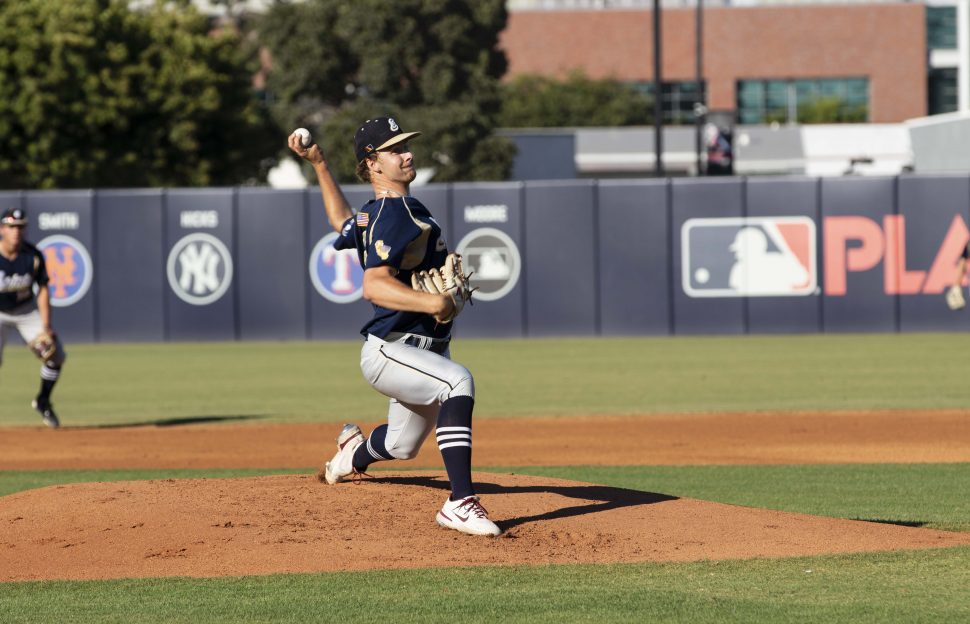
(749, 257)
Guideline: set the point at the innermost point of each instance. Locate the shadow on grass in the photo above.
(905, 523)
(176, 422)
(606, 497)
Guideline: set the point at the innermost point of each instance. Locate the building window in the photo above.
(678, 100)
(834, 100)
(942, 90)
(941, 27)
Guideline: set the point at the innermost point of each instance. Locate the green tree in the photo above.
(433, 64)
(538, 102)
(93, 93)
(313, 69)
(830, 110)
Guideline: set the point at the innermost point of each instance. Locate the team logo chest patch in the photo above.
(383, 251)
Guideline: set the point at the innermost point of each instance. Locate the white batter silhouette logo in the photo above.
(494, 261)
(749, 257)
(199, 269)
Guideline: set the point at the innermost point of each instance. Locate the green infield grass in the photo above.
(321, 381)
(914, 586)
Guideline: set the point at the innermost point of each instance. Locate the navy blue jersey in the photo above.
(398, 232)
(18, 276)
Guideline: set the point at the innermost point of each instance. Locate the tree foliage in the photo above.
(831, 110)
(93, 93)
(540, 102)
(432, 64)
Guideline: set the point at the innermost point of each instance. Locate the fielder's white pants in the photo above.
(418, 381)
(29, 325)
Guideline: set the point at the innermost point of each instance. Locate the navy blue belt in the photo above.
(434, 345)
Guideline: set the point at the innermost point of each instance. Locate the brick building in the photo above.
(765, 62)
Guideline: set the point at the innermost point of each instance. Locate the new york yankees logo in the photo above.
(199, 269)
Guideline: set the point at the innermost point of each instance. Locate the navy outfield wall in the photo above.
(583, 258)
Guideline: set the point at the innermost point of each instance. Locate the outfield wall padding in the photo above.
(552, 258)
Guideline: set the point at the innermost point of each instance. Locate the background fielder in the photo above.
(406, 349)
(22, 269)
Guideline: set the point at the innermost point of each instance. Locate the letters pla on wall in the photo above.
(857, 244)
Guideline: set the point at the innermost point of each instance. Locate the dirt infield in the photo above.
(760, 438)
(218, 527)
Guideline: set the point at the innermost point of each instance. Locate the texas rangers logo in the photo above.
(68, 267)
(749, 257)
(199, 269)
(336, 275)
(494, 261)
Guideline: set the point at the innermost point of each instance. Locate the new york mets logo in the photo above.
(68, 267)
(749, 257)
(199, 269)
(336, 275)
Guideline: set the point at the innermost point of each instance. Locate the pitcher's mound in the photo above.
(293, 523)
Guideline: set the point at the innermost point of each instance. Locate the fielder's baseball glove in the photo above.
(954, 297)
(43, 346)
(450, 279)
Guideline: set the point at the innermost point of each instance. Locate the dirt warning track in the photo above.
(654, 439)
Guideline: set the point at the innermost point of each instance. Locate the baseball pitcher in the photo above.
(417, 288)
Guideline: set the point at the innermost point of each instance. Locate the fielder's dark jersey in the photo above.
(398, 232)
(18, 276)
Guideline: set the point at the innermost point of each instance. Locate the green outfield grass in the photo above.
(919, 586)
(321, 381)
(264, 382)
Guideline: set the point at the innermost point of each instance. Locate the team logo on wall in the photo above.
(336, 275)
(493, 258)
(68, 267)
(749, 257)
(199, 269)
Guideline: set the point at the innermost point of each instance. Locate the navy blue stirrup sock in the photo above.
(373, 450)
(454, 434)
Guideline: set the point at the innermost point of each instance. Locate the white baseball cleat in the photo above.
(468, 516)
(342, 464)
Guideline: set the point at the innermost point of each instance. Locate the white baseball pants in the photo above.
(418, 381)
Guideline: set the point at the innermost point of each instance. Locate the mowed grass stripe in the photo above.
(914, 586)
(320, 381)
(929, 495)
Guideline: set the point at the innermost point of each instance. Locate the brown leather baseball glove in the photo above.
(450, 279)
(43, 346)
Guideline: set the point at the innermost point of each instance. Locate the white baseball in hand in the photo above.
(304, 134)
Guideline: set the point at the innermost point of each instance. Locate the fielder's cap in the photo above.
(13, 216)
(377, 134)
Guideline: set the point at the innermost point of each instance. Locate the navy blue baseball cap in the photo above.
(13, 216)
(377, 134)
